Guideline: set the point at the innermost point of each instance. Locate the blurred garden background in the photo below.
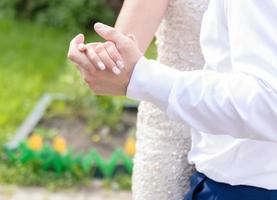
(81, 137)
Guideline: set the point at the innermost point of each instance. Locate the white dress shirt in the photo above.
(231, 105)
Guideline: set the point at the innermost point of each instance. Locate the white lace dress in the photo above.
(161, 170)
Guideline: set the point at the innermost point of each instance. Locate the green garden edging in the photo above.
(91, 163)
(47, 158)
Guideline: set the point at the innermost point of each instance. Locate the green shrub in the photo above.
(69, 14)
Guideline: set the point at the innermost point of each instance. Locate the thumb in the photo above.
(109, 33)
(80, 38)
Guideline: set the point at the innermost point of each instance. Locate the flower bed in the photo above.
(46, 141)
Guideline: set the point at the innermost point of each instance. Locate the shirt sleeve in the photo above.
(237, 104)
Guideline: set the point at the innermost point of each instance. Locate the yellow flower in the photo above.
(35, 142)
(95, 138)
(59, 145)
(130, 146)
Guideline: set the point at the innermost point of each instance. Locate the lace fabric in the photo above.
(161, 169)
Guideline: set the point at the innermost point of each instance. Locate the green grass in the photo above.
(30, 61)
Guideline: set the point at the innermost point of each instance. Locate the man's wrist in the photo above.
(130, 73)
(151, 81)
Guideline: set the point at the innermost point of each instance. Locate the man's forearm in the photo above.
(141, 18)
(218, 103)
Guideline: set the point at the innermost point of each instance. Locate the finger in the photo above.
(80, 38)
(106, 59)
(109, 33)
(74, 43)
(94, 58)
(92, 45)
(114, 54)
(82, 47)
(83, 61)
(79, 58)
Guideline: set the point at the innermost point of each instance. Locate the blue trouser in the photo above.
(203, 188)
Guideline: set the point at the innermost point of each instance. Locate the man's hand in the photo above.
(102, 81)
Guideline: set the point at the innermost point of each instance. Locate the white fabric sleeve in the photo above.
(236, 104)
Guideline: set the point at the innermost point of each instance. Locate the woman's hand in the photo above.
(122, 52)
(103, 56)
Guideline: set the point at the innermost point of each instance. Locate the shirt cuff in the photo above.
(152, 81)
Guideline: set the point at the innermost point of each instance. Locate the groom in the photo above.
(231, 105)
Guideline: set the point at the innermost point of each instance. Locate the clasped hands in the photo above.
(106, 67)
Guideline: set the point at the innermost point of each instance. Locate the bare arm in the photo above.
(141, 18)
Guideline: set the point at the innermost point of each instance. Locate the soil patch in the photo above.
(104, 139)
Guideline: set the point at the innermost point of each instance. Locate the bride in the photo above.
(161, 169)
